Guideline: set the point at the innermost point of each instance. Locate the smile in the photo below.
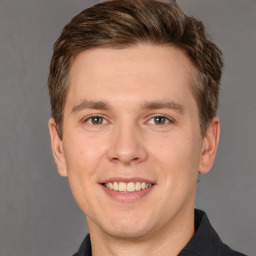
(127, 187)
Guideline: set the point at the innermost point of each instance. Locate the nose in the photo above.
(127, 145)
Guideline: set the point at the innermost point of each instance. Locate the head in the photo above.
(123, 24)
(134, 89)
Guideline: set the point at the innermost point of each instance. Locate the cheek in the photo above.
(82, 154)
(179, 166)
(83, 159)
(178, 156)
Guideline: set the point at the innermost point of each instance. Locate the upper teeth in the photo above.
(127, 187)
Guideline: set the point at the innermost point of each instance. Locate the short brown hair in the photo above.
(121, 24)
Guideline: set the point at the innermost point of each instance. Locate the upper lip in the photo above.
(127, 180)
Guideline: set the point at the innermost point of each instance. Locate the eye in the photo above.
(96, 120)
(159, 120)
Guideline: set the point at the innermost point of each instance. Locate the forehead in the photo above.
(141, 72)
(140, 54)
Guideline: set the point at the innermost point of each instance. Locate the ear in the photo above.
(210, 145)
(57, 148)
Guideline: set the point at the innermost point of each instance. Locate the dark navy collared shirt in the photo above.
(205, 241)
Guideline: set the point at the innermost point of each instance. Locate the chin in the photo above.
(128, 231)
(126, 226)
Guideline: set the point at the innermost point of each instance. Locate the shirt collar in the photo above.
(205, 240)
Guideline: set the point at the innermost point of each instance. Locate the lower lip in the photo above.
(127, 196)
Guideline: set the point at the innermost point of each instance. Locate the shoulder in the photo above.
(227, 251)
(85, 248)
(206, 241)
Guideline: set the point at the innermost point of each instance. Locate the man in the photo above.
(134, 91)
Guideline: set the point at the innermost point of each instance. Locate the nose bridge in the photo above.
(127, 143)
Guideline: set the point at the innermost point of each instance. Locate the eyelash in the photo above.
(94, 116)
(166, 120)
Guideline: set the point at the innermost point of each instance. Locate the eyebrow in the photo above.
(152, 105)
(99, 105)
(163, 105)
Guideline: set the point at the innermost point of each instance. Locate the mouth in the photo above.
(127, 187)
(127, 190)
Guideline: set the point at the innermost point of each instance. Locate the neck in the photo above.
(170, 240)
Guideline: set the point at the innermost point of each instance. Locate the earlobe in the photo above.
(210, 145)
(57, 148)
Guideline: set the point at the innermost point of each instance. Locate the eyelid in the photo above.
(169, 119)
(85, 119)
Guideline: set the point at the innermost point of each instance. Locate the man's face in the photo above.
(131, 121)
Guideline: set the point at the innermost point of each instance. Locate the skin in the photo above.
(128, 141)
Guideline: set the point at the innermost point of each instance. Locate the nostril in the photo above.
(125, 160)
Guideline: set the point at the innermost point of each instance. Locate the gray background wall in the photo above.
(38, 215)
